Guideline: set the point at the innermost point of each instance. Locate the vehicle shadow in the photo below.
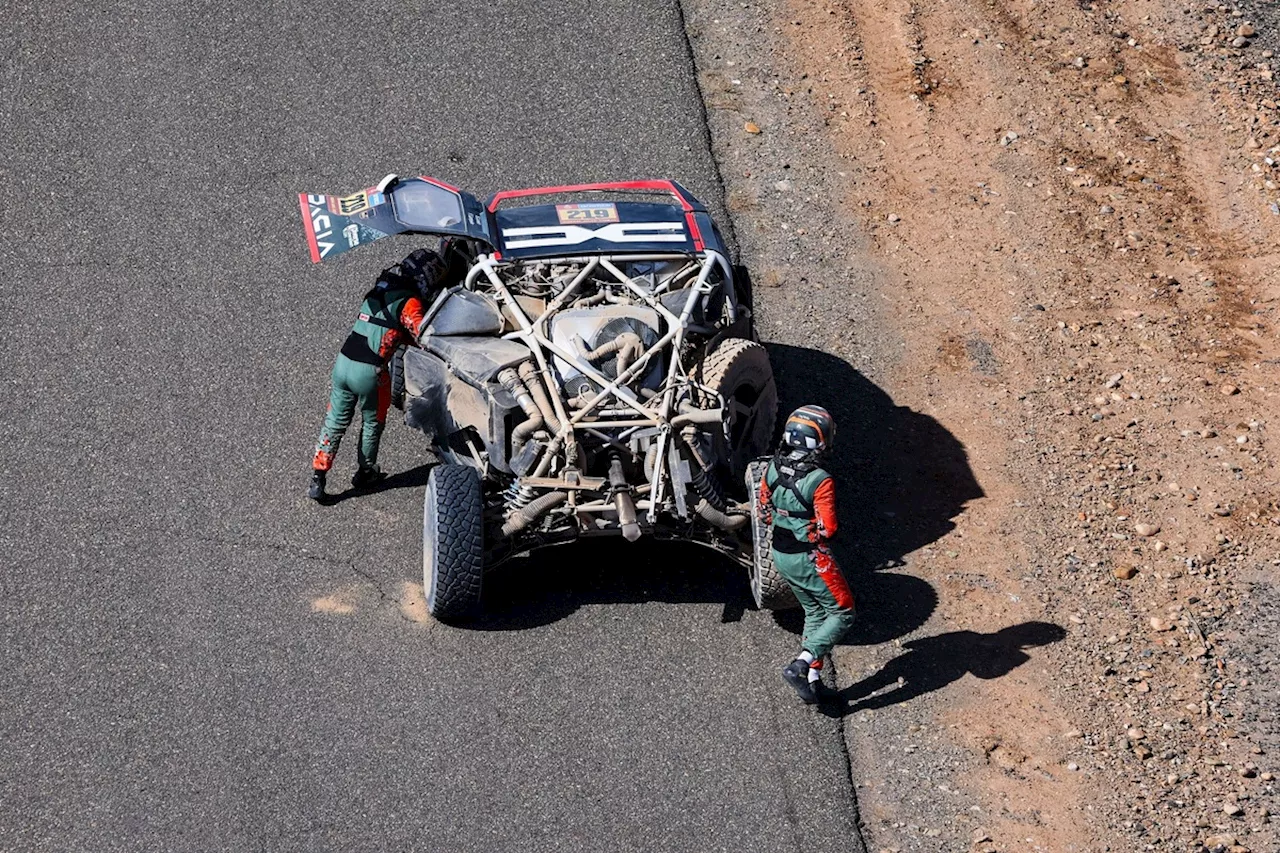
(555, 582)
(902, 479)
(410, 478)
(931, 663)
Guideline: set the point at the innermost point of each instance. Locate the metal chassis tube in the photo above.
(532, 334)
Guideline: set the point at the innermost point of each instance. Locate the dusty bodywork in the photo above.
(594, 374)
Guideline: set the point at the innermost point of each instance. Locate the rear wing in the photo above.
(336, 224)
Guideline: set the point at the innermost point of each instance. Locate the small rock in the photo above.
(1232, 809)
(1159, 624)
(751, 127)
(893, 217)
(1229, 389)
(1144, 529)
(1125, 573)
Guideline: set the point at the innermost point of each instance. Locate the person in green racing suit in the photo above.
(390, 315)
(798, 500)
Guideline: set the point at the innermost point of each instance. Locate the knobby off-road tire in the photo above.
(452, 542)
(768, 587)
(396, 368)
(740, 371)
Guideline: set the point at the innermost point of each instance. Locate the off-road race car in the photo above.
(594, 373)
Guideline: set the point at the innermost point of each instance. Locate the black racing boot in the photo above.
(316, 491)
(367, 476)
(796, 674)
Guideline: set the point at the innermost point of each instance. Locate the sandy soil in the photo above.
(1067, 217)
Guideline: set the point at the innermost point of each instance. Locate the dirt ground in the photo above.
(1065, 218)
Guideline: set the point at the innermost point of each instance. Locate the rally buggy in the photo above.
(594, 373)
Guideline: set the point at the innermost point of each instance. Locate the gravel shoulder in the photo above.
(1035, 243)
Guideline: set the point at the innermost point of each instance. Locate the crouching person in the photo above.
(390, 315)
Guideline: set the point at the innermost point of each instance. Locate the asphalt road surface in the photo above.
(197, 658)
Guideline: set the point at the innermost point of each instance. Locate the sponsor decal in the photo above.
(571, 235)
(355, 203)
(587, 213)
(321, 224)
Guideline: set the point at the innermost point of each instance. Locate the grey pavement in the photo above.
(197, 658)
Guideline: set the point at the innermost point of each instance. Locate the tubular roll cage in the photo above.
(533, 333)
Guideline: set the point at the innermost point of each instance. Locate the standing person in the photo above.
(799, 501)
(390, 315)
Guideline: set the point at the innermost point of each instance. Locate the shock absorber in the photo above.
(517, 496)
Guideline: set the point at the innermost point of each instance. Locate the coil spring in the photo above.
(517, 496)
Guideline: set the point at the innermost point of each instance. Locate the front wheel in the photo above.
(768, 587)
(452, 542)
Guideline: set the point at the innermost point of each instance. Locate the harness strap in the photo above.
(785, 478)
(376, 321)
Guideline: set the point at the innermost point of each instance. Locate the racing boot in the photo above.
(367, 476)
(796, 674)
(316, 490)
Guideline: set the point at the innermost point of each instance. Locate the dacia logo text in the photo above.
(321, 225)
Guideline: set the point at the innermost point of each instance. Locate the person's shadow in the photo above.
(931, 663)
(410, 478)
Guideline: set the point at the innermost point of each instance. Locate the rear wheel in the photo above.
(740, 371)
(768, 587)
(452, 542)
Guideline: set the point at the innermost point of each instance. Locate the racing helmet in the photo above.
(809, 429)
(423, 266)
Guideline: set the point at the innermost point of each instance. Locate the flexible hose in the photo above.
(526, 515)
(535, 421)
(718, 518)
(627, 345)
(533, 380)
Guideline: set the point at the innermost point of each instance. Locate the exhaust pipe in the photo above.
(622, 501)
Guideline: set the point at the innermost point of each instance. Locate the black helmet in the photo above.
(809, 429)
(424, 267)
